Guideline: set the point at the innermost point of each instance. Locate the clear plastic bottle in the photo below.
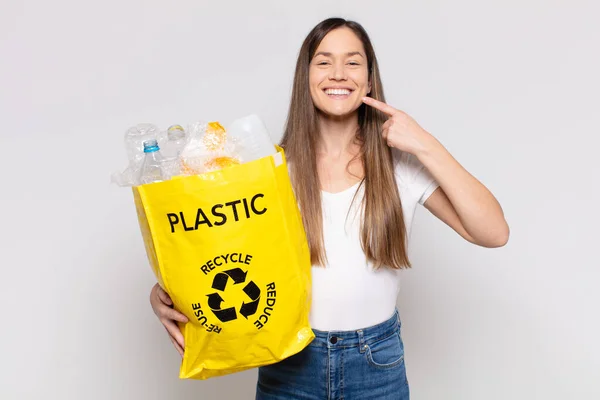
(134, 145)
(152, 168)
(175, 142)
(134, 142)
(251, 138)
(171, 150)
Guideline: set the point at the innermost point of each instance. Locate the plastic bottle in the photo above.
(175, 142)
(134, 145)
(134, 139)
(152, 169)
(171, 150)
(251, 138)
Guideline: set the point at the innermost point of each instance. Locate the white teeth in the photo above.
(337, 91)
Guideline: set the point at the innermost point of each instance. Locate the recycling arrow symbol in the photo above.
(220, 283)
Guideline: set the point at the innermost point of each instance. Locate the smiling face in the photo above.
(339, 74)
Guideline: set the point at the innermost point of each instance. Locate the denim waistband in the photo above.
(357, 338)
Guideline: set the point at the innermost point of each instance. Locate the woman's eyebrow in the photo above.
(349, 54)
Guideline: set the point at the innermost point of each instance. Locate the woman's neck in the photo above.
(337, 135)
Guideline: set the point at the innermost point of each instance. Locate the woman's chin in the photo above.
(339, 114)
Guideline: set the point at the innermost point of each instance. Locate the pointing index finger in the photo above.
(380, 105)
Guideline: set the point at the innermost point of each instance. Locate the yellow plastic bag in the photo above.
(230, 249)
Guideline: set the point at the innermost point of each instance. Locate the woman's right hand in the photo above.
(163, 308)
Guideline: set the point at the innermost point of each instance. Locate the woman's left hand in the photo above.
(401, 130)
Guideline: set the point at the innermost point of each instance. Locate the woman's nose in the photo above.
(338, 73)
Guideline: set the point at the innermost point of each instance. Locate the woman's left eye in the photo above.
(353, 63)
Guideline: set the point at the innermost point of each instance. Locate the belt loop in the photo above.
(362, 347)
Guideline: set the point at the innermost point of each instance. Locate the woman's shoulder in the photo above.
(413, 176)
(407, 166)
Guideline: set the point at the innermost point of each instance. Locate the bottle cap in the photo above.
(151, 146)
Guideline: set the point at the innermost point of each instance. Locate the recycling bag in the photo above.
(230, 249)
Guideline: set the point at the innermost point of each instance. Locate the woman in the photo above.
(359, 167)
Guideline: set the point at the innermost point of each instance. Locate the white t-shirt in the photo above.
(347, 293)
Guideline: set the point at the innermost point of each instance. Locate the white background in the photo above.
(511, 88)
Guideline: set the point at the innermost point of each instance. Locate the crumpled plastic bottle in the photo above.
(251, 138)
(171, 149)
(152, 168)
(134, 146)
(209, 148)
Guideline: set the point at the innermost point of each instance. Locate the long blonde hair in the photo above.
(383, 232)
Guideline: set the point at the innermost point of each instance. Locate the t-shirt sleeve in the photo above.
(411, 173)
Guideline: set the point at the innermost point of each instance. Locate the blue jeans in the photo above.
(363, 364)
